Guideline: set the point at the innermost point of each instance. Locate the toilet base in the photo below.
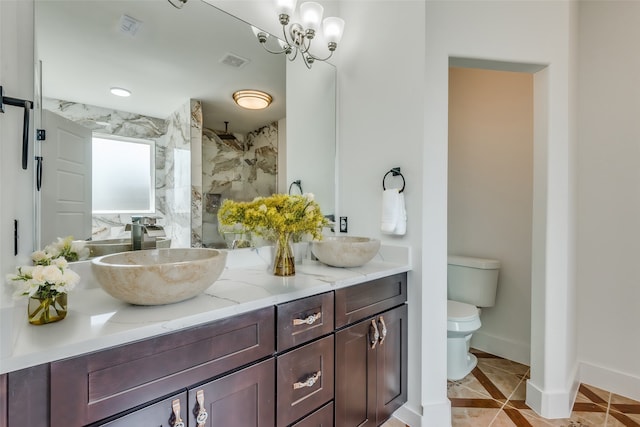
(459, 361)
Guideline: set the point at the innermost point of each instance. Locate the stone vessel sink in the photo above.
(158, 276)
(345, 251)
(112, 246)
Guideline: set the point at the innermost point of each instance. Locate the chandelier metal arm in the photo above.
(315, 58)
(285, 50)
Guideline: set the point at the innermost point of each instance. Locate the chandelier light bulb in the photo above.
(286, 7)
(311, 15)
(332, 28)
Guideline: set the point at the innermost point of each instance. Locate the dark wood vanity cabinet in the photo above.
(336, 358)
(371, 354)
(99, 385)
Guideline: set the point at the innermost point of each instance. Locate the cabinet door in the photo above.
(391, 362)
(165, 413)
(305, 380)
(356, 360)
(245, 398)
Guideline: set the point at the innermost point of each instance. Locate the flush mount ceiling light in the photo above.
(252, 99)
(118, 91)
(297, 37)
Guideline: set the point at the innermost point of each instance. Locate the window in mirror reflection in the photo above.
(123, 173)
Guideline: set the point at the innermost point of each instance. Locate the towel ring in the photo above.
(394, 172)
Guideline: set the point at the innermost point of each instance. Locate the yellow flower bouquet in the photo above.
(280, 217)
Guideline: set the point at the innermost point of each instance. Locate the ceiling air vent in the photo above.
(129, 25)
(234, 60)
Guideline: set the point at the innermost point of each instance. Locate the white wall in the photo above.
(380, 109)
(609, 196)
(491, 195)
(517, 32)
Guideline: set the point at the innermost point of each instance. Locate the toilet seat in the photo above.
(462, 317)
(460, 311)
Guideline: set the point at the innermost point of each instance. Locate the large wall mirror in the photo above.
(188, 145)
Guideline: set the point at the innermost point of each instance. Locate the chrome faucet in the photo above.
(141, 226)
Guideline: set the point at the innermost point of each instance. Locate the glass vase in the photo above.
(47, 310)
(284, 260)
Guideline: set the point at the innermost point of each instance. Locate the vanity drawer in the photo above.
(323, 417)
(303, 320)
(304, 380)
(95, 386)
(357, 302)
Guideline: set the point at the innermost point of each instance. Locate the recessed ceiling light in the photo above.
(252, 99)
(118, 91)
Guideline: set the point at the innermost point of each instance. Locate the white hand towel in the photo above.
(401, 224)
(390, 210)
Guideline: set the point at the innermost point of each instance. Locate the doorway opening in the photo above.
(497, 128)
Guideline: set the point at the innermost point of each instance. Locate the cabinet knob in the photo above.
(309, 382)
(309, 320)
(201, 412)
(176, 420)
(375, 336)
(383, 330)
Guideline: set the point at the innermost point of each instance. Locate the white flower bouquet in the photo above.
(47, 282)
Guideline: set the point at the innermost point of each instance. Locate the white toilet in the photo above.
(471, 283)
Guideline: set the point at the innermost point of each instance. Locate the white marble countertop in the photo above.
(96, 320)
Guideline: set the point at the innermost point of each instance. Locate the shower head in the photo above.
(226, 134)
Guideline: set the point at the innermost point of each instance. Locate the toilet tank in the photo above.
(472, 280)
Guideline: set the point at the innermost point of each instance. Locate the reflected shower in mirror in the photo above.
(181, 68)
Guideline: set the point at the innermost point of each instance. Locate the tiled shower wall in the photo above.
(239, 168)
(195, 168)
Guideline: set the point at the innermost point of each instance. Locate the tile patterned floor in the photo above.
(493, 395)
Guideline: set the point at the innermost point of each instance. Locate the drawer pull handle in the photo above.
(376, 334)
(201, 416)
(383, 330)
(309, 320)
(309, 382)
(177, 421)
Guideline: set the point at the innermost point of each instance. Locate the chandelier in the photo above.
(298, 36)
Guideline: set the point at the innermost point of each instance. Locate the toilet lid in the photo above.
(461, 311)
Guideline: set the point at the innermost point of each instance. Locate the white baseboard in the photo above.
(556, 403)
(407, 416)
(433, 415)
(513, 350)
(437, 415)
(611, 380)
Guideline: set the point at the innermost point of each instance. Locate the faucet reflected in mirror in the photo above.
(141, 227)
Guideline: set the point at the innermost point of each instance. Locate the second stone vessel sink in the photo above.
(158, 276)
(345, 251)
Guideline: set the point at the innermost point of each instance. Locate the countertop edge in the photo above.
(30, 344)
